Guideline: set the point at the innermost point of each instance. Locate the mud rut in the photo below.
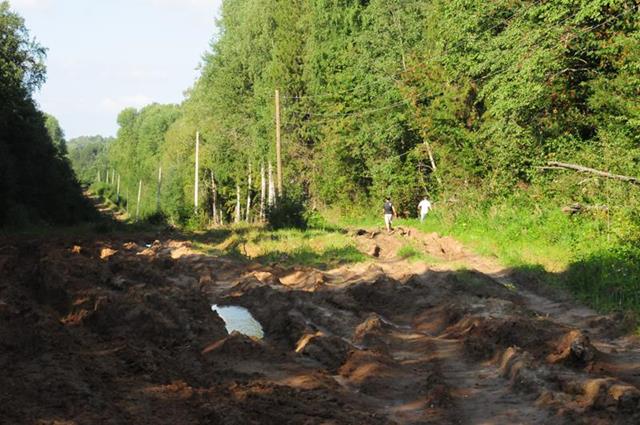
(112, 331)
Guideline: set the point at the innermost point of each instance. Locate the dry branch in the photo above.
(554, 165)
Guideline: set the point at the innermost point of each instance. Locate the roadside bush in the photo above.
(157, 218)
(289, 212)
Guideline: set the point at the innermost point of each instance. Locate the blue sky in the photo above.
(105, 55)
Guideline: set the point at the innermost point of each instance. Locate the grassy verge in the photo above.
(582, 253)
(322, 249)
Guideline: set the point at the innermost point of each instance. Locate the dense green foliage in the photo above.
(36, 181)
(88, 155)
(370, 89)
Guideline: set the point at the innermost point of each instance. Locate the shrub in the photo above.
(289, 212)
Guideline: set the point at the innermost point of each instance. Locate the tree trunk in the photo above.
(554, 165)
(433, 162)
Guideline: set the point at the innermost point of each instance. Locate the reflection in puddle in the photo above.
(239, 319)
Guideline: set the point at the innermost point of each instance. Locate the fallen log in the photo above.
(555, 165)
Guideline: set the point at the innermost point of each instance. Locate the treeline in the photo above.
(89, 157)
(463, 100)
(37, 184)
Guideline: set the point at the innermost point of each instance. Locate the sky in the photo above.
(105, 55)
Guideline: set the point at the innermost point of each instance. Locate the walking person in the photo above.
(389, 212)
(423, 208)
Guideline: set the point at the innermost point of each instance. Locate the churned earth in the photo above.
(119, 330)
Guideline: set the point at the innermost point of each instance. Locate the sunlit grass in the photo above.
(577, 253)
(288, 247)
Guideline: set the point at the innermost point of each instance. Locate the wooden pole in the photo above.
(278, 144)
(263, 190)
(195, 195)
(99, 177)
(159, 186)
(214, 196)
(139, 196)
(272, 188)
(248, 216)
(118, 191)
(237, 219)
(113, 176)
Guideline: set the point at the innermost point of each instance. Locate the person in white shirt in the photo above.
(423, 208)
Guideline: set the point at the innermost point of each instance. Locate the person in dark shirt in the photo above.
(389, 212)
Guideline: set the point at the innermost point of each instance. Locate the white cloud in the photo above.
(111, 104)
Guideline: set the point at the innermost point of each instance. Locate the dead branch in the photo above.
(554, 165)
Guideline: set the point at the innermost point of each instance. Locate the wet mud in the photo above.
(113, 331)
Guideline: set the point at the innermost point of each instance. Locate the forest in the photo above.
(446, 98)
(37, 184)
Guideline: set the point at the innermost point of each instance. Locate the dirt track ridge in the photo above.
(119, 330)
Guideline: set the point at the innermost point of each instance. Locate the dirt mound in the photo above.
(386, 246)
(121, 330)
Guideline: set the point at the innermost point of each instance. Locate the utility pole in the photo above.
(278, 144)
(249, 194)
(214, 199)
(118, 191)
(195, 196)
(272, 188)
(263, 190)
(159, 186)
(139, 196)
(238, 212)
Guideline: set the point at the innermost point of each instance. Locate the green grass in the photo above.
(582, 253)
(288, 247)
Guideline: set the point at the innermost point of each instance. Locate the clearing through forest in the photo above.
(119, 330)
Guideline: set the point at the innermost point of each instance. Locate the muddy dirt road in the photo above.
(119, 330)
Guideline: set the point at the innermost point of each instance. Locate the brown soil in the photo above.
(119, 330)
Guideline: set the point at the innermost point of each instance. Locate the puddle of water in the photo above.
(239, 319)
